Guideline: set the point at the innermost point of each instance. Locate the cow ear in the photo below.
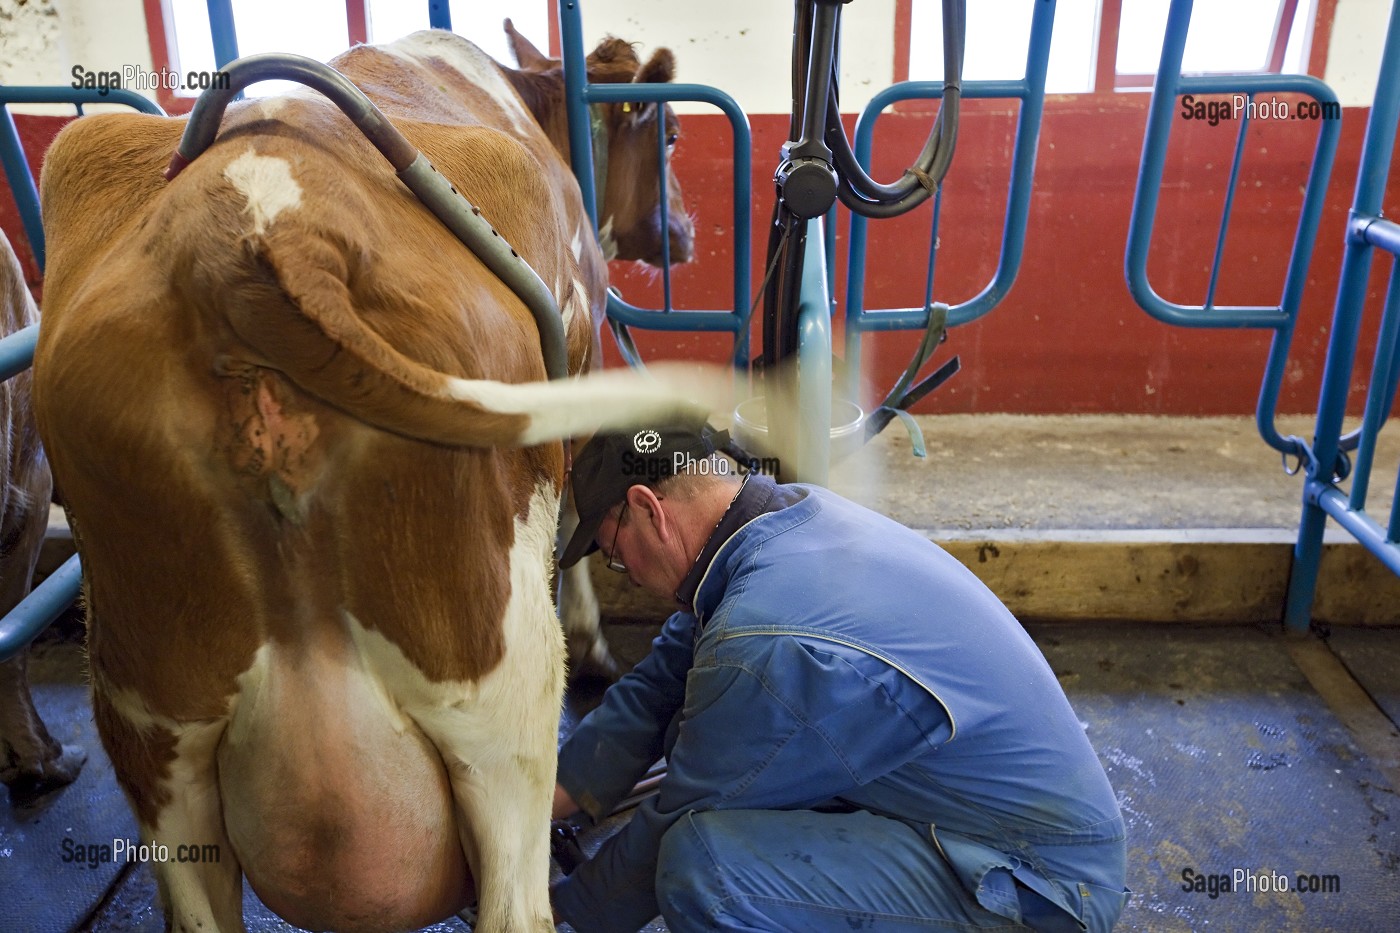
(526, 55)
(660, 69)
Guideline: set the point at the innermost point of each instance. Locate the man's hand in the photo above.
(564, 804)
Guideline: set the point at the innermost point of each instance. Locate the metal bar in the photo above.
(576, 104)
(1362, 527)
(34, 613)
(440, 14)
(814, 364)
(1281, 318)
(664, 206)
(64, 94)
(933, 247)
(17, 351)
(1030, 91)
(1393, 532)
(1225, 212)
(1374, 231)
(21, 183)
(680, 319)
(1161, 111)
(1304, 243)
(1376, 153)
(1377, 400)
(223, 31)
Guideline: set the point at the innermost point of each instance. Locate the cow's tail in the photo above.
(329, 351)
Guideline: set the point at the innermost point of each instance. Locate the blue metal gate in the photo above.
(1325, 460)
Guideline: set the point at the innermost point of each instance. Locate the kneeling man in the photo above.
(858, 734)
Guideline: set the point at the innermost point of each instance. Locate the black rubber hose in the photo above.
(861, 193)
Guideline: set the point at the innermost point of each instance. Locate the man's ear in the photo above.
(646, 505)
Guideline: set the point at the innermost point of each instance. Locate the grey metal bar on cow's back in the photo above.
(34, 613)
(414, 169)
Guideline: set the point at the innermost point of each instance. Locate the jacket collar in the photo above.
(759, 496)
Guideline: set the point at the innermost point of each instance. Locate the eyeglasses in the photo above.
(613, 564)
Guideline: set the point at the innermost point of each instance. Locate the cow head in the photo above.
(625, 145)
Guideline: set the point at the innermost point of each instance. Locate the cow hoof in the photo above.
(596, 667)
(28, 786)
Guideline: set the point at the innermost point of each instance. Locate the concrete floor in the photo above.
(1230, 745)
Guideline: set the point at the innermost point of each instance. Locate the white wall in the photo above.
(741, 46)
(1354, 54)
(41, 40)
(744, 47)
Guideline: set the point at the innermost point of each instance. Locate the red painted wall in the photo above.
(1068, 338)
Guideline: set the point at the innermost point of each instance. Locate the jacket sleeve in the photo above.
(616, 743)
(775, 724)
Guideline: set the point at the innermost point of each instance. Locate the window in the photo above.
(998, 36)
(321, 29)
(1115, 44)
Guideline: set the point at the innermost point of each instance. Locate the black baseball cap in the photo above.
(610, 464)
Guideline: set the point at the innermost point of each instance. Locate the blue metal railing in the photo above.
(579, 94)
(1324, 460)
(1366, 231)
(1281, 317)
(1030, 91)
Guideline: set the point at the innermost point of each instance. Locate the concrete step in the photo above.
(1082, 517)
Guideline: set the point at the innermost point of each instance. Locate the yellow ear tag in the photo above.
(626, 107)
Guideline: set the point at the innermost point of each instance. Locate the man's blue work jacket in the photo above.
(835, 657)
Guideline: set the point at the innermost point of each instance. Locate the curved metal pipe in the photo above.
(413, 168)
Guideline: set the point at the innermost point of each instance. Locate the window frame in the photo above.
(1107, 79)
(160, 30)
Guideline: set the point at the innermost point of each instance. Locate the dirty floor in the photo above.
(1225, 756)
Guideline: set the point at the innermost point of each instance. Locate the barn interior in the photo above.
(1220, 609)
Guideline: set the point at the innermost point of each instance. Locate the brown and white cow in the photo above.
(31, 762)
(301, 432)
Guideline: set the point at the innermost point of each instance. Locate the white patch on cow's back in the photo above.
(469, 61)
(266, 183)
(269, 107)
(576, 244)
